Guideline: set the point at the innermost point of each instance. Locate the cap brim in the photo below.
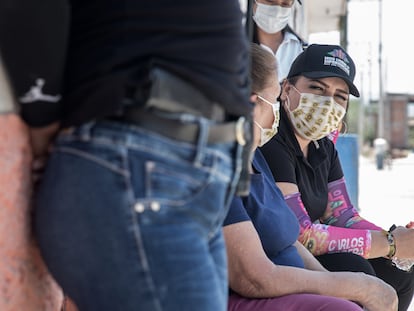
(324, 74)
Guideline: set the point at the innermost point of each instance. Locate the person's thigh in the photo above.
(294, 302)
(125, 221)
(346, 262)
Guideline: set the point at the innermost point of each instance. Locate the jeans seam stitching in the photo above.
(94, 159)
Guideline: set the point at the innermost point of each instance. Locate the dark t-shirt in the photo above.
(113, 45)
(265, 207)
(311, 175)
(101, 51)
(33, 44)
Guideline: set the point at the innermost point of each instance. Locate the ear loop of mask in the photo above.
(287, 102)
(287, 97)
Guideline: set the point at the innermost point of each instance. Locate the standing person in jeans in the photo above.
(306, 168)
(153, 123)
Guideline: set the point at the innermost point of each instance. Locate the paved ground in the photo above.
(387, 196)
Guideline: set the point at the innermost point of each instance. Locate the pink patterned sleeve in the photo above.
(321, 238)
(340, 212)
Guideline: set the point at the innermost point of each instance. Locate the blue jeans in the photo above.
(129, 220)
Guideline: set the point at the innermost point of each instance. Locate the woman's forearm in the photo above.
(321, 239)
(368, 291)
(340, 212)
(252, 274)
(42, 137)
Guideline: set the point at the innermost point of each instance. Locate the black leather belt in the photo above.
(234, 131)
(169, 92)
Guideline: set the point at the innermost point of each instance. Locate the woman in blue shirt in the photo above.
(268, 268)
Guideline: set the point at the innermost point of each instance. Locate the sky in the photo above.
(363, 45)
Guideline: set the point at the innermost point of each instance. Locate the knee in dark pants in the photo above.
(346, 262)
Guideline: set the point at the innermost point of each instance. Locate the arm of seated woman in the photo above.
(309, 260)
(253, 275)
(321, 239)
(340, 212)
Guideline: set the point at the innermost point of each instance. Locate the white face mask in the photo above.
(267, 134)
(316, 116)
(271, 18)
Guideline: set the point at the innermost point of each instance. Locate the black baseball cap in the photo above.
(322, 61)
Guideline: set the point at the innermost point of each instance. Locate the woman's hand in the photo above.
(404, 241)
(368, 291)
(376, 295)
(41, 141)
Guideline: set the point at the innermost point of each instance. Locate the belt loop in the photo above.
(238, 165)
(202, 138)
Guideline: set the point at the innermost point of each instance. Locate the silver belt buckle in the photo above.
(240, 131)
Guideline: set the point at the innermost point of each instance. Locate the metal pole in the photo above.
(380, 74)
(249, 20)
(361, 114)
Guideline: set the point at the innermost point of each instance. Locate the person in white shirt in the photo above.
(272, 32)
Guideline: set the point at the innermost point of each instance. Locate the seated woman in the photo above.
(268, 268)
(306, 168)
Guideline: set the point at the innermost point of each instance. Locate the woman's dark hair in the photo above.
(263, 66)
(293, 80)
